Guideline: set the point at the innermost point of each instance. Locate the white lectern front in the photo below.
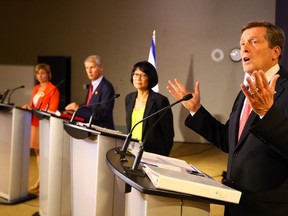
(15, 124)
(55, 193)
(94, 190)
(145, 199)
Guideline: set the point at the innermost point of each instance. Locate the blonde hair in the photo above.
(45, 67)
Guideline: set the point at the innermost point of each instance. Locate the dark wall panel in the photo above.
(282, 21)
(61, 70)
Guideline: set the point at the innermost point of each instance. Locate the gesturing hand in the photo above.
(178, 90)
(260, 93)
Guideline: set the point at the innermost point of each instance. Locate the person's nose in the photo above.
(244, 48)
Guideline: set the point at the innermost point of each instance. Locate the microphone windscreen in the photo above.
(187, 97)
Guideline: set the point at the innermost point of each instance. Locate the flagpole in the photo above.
(152, 57)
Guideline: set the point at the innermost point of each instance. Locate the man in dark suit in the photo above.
(258, 153)
(99, 101)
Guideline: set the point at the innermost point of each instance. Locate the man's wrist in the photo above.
(193, 113)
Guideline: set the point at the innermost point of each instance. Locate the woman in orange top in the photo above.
(45, 96)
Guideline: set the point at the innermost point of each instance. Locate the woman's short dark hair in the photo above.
(149, 70)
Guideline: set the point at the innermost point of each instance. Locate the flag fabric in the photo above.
(152, 57)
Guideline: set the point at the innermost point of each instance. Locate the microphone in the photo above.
(47, 107)
(91, 118)
(137, 160)
(53, 89)
(12, 91)
(3, 95)
(128, 138)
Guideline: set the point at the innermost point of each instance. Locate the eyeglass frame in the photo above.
(142, 75)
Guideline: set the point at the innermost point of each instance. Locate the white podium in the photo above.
(144, 199)
(14, 154)
(141, 204)
(55, 185)
(94, 190)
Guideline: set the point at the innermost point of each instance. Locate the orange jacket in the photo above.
(49, 99)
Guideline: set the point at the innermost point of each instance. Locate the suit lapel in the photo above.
(278, 91)
(98, 89)
(279, 85)
(246, 129)
(149, 105)
(95, 94)
(234, 119)
(130, 106)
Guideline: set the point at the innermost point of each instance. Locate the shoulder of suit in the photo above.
(50, 84)
(157, 95)
(283, 72)
(131, 95)
(106, 82)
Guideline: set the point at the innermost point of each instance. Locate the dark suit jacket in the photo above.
(103, 112)
(159, 140)
(258, 163)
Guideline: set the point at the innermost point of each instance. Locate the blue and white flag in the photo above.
(152, 57)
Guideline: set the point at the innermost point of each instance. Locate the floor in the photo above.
(204, 156)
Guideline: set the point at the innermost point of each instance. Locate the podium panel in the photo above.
(14, 154)
(146, 199)
(55, 190)
(141, 204)
(44, 136)
(93, 190)
(197, 208)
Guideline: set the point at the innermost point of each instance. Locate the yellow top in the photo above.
(137, 115)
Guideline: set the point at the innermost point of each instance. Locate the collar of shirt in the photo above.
(272, 71)
(269, 74)
(96, 82)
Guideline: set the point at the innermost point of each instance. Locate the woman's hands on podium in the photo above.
(26, 106)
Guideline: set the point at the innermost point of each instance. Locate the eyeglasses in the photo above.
(137, 75)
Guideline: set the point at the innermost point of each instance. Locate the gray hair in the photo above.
(94, 58)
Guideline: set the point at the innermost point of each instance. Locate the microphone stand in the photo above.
(91, 117)
(74, 114)
(127, 141)
(54, 90)
(93, 113)
(44, 113)
(134, 169)
(81, 134)
(12, 91)
(3, 95)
